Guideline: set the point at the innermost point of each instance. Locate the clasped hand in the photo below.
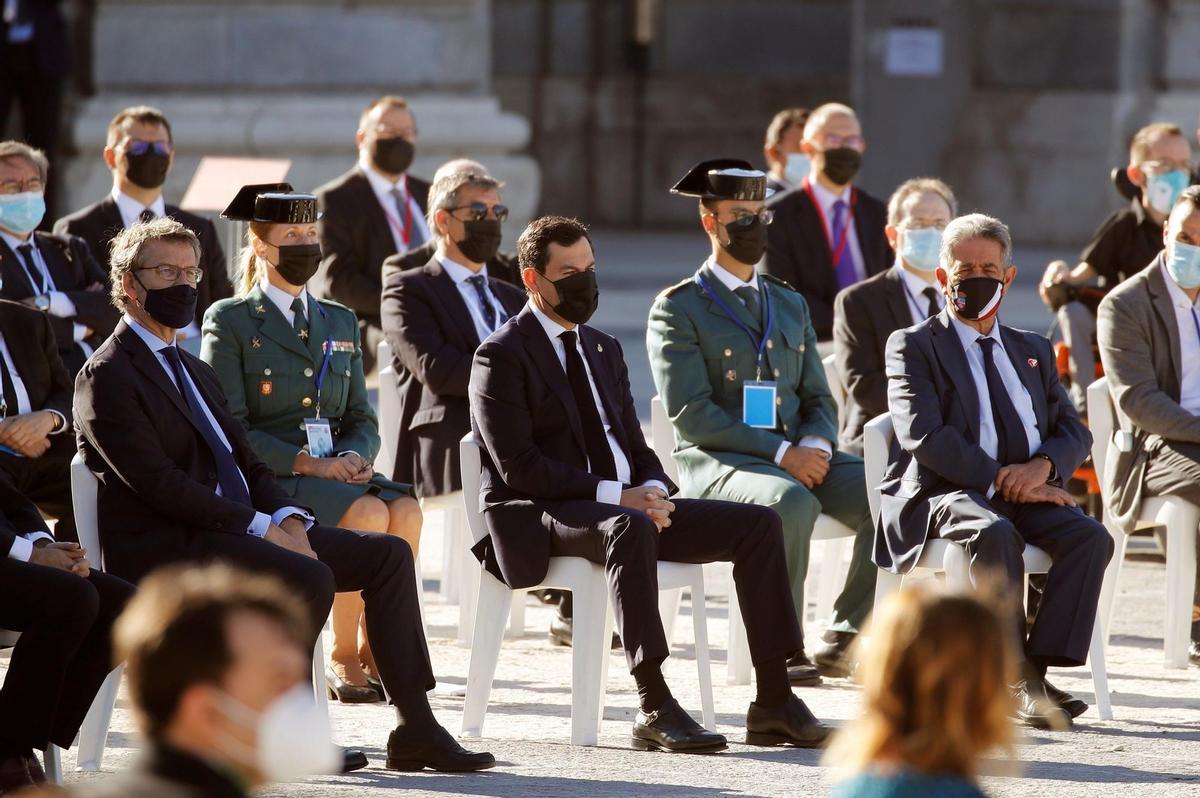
(652, 501)
(1026, 484)
(807, 465)
(63, 556)
(28, 433)
(290, 534)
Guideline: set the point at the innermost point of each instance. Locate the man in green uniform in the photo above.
(735, 360)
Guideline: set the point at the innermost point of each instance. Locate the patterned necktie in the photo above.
(478, 281)
(299, 321)
(37, 281)
(931, 294)
(600, 456)
(146, 215)
(1012, 445)
(749, 295)
(844, 268)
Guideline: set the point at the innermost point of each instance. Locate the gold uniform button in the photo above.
(779, 400)
(267, 372)
(302, 427)
(346, 373)
(728, 353)
(306, 401)
(308, 372)
(785, 427)
(801, 348)
(770, 344)
(776, 372)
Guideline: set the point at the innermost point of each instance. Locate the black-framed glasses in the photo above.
(744, 219)
(170, 274)
(139, 147)
(479, 211)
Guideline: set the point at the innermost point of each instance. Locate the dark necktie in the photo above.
(844, 268)
(489, 312)
(146, 216)
(9, 391)
(600, 457)
(299, 320)
(37, 281)
(1012, 445)
(749, 295)
(931, 294)
(229, 477)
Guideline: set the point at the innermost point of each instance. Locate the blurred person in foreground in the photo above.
(935, 679)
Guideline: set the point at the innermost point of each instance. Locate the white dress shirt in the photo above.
(460, 274)
(608, 491)
(733, 282)
(283, 300)
(826, 198)
(1017, 392)
(383, 192)
(258, 527)
(23, 404)
(22, 545)
(917, 302)
(1186, 316)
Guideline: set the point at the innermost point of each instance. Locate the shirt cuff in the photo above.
(654, 483)
(991, 491)
(284, 512)
(783, 447)
(61, 305)
(817, 442)
(78, 332)
(608, 492)
(64, 426)
(258, 527)
(349, 451)
(22, 549)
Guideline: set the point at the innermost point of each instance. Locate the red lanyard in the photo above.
(837, 250)
(405, 231)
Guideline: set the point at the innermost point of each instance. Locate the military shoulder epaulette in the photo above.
(669, 290)
(778, 281)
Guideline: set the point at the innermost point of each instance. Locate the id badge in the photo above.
(320, 439)
(758, 404)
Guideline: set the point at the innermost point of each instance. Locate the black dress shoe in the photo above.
(35, 768)
(341, 690)
(802, 672)
(353, 759)
(1065, 701)
(790, 723)
(377, 686)
(562, 633)
(14, 774)
(833, 657)
(672, 729)
(1036, 709)
(434, 749)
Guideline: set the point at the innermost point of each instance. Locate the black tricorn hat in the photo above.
(724, 178)
(272, 203)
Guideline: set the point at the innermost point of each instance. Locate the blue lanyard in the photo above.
(325, 362)
(1196, 321)
(760, 345)
(921, 313)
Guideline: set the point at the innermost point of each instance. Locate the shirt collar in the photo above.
(282, 299)
(151, 340)
(728, 278)
(458, 273)
(131, 209)
(915, 284)
(381, 184)
(14, 242)
(552, 328)
(1178, 298)
(827, 197)
(969, 335)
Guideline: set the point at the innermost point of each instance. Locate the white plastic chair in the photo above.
(592, 623)
(389, 411)
(942, 555)
(1181, 519)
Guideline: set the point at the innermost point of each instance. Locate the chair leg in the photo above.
(886, 583)
(320, 688)
(829, 578)
(1181, 579)
(708, 712)
(93, 733)
(451, 556)
(1112, 575)
(738, 658)
(668, 611)
(470, 576)
(493, 599)
(421, 596)
(516, 617)
(590, 614)
(1099, 663)
(52, 761)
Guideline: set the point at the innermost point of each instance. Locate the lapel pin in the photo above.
(599, 348)
(259, 309)
(304, 334)
(265, 387)
(256, 343)
(1032, 362)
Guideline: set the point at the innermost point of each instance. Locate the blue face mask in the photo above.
(1162, 190)
(797, 168)
(22, 213)
(920, 248)
(1183, 264)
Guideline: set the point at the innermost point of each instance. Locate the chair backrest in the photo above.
(662, 437)
(835, 382)
(877, 447)
(1101, 421)
(83, 498)
(471, 468)
(389, 412)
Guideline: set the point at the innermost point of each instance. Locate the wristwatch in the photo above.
(1053, 470)
(42, 302)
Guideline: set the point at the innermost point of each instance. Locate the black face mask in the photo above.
(976, 298)
(173, 307)
(578, 296)
(842, 164)
(482, 240)
(148, 170)
(393, 156)
(747, 243)
(298, 262)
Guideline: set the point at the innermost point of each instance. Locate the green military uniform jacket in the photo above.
(700, 358)
(269, 372)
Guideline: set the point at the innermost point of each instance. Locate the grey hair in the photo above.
(919, 185)
(460, 165)
(975, 225)
(443, 194)
(19, 149)
(1189, 198)
(126, 253)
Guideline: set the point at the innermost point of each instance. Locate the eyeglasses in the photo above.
(744, 219)
(833, 141)
(139, 147)
(33, 184)
(479, 211)
(171, 274)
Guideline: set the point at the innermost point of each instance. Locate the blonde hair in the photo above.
(250, 268)
(935, 678)
(1139, 145)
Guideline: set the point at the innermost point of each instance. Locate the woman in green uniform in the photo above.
(291, 367)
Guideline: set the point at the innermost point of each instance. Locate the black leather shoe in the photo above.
(672, 729)
(562, 633)
(790, 723)
(1065, 701)
(833, 657)
(434, 749)
(35, 768)
(1194, 652)
(377, 686)
(14, 774)
(802, 672)
(353, 759)
(1036, 709)
(341, 690)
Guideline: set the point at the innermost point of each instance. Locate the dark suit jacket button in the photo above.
(212, 475)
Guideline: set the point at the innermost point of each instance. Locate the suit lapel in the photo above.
(897, 299)
(58, 263)
(373, 211)
(731, 300)
(543, 354)
(273, 325)
(148, 363)
(1160, 298)
(16, 282)
(452, 300)
(1027, 369)
(954, 362)
(23, 354)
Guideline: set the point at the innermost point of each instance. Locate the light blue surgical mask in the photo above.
(1183, 264)
(797, 168)
(1162, 190)
(23, 212)
(920, 248)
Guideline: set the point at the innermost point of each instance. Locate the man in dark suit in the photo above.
(139, 151)
(373, 211)
(64, 612)
(179, 482)
(55, 274)
(828, 234)
(986, 436)
(434, 318)
(36, 444)
(566, 472)
(865, 314)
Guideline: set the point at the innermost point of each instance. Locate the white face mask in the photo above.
(797, 168)
(292, 737)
